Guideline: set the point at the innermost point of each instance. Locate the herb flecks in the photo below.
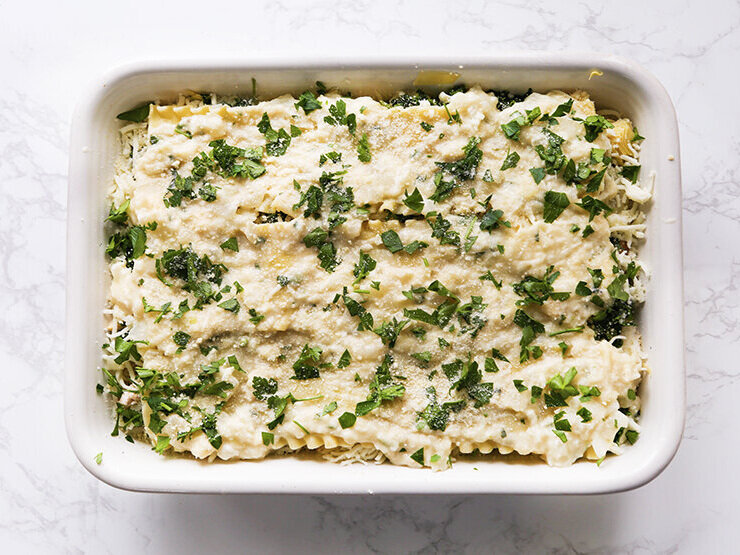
(384, 387)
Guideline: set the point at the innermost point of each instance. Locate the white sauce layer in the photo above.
(303, 312)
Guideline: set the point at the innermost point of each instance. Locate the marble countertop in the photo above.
(49, 503)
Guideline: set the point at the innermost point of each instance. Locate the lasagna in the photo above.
(409, 279)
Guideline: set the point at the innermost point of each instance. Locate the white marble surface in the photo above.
(48, 503)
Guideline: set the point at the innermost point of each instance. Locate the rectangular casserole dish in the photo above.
(622, 86)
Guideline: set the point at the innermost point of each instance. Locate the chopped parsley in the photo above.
(393, 243)
(563, 109)
(340, 199)
(414, 201)
(306, 367)
(388, 331)
(594, 207)
(344, 360)
(327, 252)
(229, 161)
(308, 102)
(561, 425)
(181, 339)
(535, 394)
(511, 160)
(332, 156)
(356, 309)
(199, 274)
(254, 316)
(423, 358)
(338, 116)
(538, 174)
(538, 290)
(492, 219)
(513, 127)
(616, 288)
(230, 244)
(119, 215)
(163, 442)
(588, 392)
(488, 276)
(555, 204)
(436, 415)
(277, 142)
(441, 229)
(383, 387)
(594, 125)
(443, 189)
(129, 243)
(552, 154)
(264, 387)
(560, 388)
(364, 266)
(363, 149)
(465, 167)
(232, 305)
(465, 375)
(328, 409)
(530, 329)
(490, 362)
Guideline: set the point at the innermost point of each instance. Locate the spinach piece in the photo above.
(608, 323)
(137, 115)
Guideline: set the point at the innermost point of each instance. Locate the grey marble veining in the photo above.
(48, 503)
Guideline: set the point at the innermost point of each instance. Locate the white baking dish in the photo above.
(623, 86)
